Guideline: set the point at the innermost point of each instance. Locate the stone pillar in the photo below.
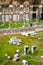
(27, 17)
(17, 11)
(24, 62)
(28, 13)
(40, 9)
(16, 17)
(31, 11)
(33, 49)
(10, 23)
(10, 15)
(0, 14)
(26, 50)
(3, 16)
(24, 18)
(37, 15)
(0, 17)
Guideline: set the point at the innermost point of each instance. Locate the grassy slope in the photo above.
(33, 59)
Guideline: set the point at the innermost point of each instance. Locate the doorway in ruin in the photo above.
(34, 16)
(41, 16)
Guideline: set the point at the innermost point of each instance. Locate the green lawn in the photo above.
(4, 26)
(20, 24)
(34, 22)
(17, 25)
(33, 59)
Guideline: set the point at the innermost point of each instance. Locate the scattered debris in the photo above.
(16, 57)
(15, 41)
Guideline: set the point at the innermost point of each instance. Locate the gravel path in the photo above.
(19, 30)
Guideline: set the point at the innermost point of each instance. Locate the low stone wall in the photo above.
(19, 30)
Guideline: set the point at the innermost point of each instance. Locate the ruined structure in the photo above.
(21, 10)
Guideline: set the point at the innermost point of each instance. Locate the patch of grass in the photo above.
(30, 60)
(33, 59)
(11, 63)
(20, 24)
(17, 25)
(4, 26)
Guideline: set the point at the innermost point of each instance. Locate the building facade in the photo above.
(25, 11)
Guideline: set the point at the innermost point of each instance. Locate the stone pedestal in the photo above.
(26, 50)
(33, 49)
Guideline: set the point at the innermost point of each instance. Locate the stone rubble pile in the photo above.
(15, 41)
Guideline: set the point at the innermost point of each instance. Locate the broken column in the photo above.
(24, 62)
(33, 49)
(26, 50)
(16, 57)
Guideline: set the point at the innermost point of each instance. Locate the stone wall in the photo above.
(21, 13)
